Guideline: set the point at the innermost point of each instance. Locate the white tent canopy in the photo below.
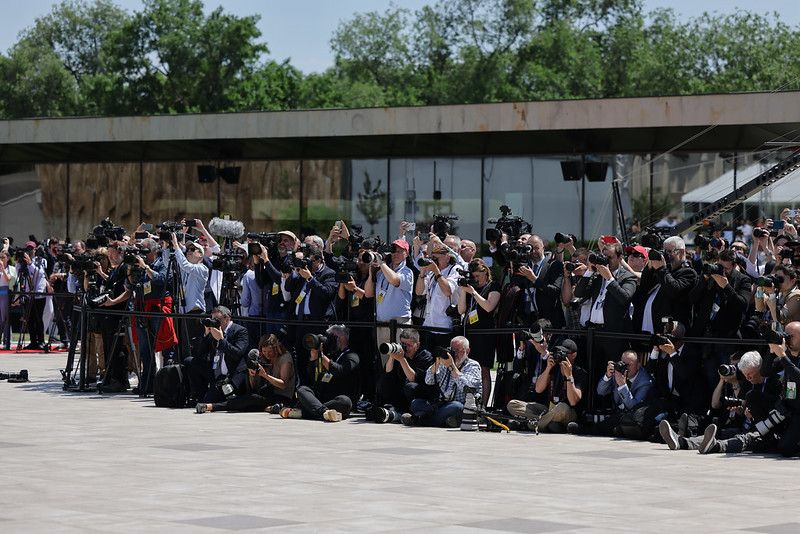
(785, 192)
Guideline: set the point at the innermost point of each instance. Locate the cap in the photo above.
(568, 345)
(638, 248)
(241, 247)
(30, 244)
(192, 244)
(287, 232)
(402, 243)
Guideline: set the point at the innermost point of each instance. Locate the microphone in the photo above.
(225, 228)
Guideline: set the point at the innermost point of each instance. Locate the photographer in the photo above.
(116, 372)
(194, 276)
(32, 278)
(334, 371)
(630, 387)
(637, 260)
(452, 371)
(438, 281)
(219, 358)
(529, 363)
(563, 389)
(93, 284)
(270, 385)
(312, 286)
(478, 300)
(720, 298)
(8, 279)
(778, 293)
(268, 276)
(665, 287)
(403, 377)
(541, 280)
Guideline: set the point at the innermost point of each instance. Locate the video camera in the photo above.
(228, 263)
(508, 223)
(347, 269)
(100, 234)
(441, 225)
(654, 238)
(131, 255)
(466, 279)
(270, 240)
(167, 228)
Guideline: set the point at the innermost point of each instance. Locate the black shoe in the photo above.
(573, 428)
(452, 421)
(409, 419)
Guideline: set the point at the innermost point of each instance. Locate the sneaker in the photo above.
(533, 424)
(709, 444)
(291, 413)
(669, 435)
(409, 419)
(452, 421)
(683, 425)
(275, 409)
(201, 407)
(332, 415)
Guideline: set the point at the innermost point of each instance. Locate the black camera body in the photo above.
(654, 238)
(211, 322)
(598, 259)
(444, 352)
(347, 270)
(513, 225)
(760, 232)
(226, 387)
(654, 255)
(770, 280)
(441, 225)
(661, 339)
(727, 369)
(424, 262)
(534, 334)
(564, 239)
(228, 263)
(713, 268)
(559, 355)
(731, 402)
(620, 367)
(329, 342)
(771, 336)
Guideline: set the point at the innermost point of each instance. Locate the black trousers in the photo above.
(313, 408)
(36, 323)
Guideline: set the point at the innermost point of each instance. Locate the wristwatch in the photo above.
(571, 379)
(436, 277)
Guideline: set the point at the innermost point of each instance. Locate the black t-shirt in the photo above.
(557, 389)
(485, 319)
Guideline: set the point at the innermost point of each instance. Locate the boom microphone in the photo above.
(225, 228)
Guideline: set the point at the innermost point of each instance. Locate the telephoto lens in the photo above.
(424, 262)
(390, 348)
(385, 414)
(727, 369)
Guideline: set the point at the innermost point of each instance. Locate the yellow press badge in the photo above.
(147, 288)
(275, 288)
(300, 297)
(473, 317)
(380, 297)
(354, 301)
(327, 377)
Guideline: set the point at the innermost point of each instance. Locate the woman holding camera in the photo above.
(779, 294)
(271, 383)
(478, 300)
(93, 283)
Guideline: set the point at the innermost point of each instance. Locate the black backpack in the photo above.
(171, 387)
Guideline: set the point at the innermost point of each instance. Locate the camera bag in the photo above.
(171, 387)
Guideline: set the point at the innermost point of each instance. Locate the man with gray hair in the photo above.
(452, 372)
(664, 289)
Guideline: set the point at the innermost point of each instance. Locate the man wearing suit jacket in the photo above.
(609, 308)
(219, 355)
(313, 290)
(720, 302)
(664, 289)
(540, 279)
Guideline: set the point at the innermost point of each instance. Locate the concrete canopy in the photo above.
(706, 123)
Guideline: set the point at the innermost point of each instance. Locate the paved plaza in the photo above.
(83, 462)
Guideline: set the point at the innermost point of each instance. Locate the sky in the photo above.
(301, 29)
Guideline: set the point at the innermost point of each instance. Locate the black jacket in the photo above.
(733, 301)
(672, 298)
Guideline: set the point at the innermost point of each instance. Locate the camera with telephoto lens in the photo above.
(620, 367)
(571, 266)
(559, 355)
(534, 333)
(598, 259)
(347, 270)
(228, 263)
(329, 342)
(661, 339)
(713, 268)
(508, 223)
(22, 376)
(564, 239)
(770, 280)
(731, 402)
(466, 279)
(452, 312)
(760, 232)
(771, 336)
(65, 252)
(130, 255)
(211, 322)
(226, 387)
(390, 348)
(441, 225)
(654, 238)
(727, 369)
(385, 414)
(424, 262)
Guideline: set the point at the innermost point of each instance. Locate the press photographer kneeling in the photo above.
(403, 376)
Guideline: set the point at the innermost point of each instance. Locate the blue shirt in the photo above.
(193, 281)
(251, 294)
(396, 301)
(631, 395)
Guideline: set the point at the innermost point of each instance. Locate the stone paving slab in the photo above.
(83, 462)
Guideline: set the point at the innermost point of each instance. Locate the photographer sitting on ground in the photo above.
(333, 368)
(219, 359)
(271, 381)
(451, 372)
(630, 387)
(403, 376)
(564, 391)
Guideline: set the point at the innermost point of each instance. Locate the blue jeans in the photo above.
(436, 414)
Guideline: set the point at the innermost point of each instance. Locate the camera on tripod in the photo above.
(347, 270)
(131, 255)
(442, 226)
(167, 228)
(508, 223)
(228, 263)
(270, 240)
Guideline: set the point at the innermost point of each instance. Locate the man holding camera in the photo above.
(32, 278)
(453, 373)
(541, 278)
(334, 371)
(403, 377)
(438, 281)
(630, 387)
(268, 277)
(219, 359)
(664, 289)
(194, 275)
(563, 388)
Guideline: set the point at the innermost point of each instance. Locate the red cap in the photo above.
(402, 243)
(638, 248)
(30, 244)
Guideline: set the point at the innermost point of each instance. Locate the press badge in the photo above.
(791, 390)
(147, 288)
(354, 301)
(275, 288)
(300, 297)
(473, 317)
(215, 365)
(327, 377)
(380, 297)
(714, 309)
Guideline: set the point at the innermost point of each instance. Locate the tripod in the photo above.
(229, 295)
(124, 328)
(24, 281)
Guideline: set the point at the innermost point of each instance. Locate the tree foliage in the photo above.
(90, 57)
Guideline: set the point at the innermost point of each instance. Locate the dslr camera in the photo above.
(534, 333)
(348, 269)
(211, 322)
(390, 348)
(713, 268)
(620, 367)
(559, 355)
(466, 279)
(661, 339)
(329, 342)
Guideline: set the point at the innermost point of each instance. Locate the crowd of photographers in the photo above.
(644, 340)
